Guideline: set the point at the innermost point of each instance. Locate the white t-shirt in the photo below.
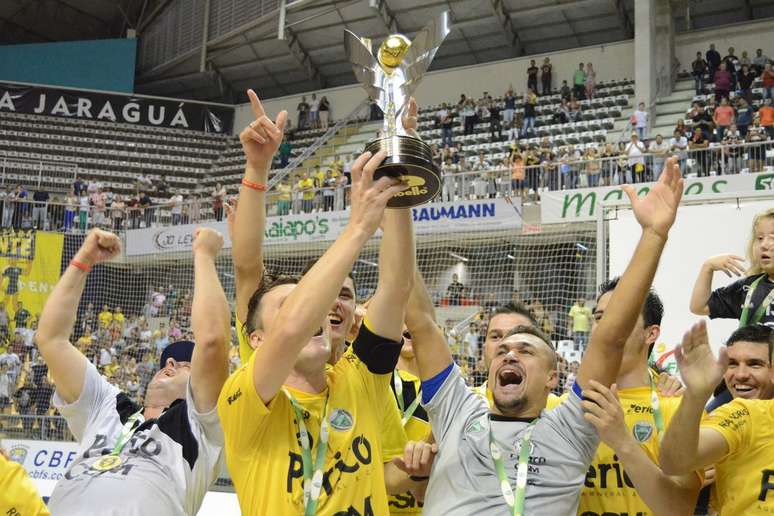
(659, 148)
(168, 464)
(105, 358)
(634, 151)
(177, 204)
(314, 105)
(641, 118)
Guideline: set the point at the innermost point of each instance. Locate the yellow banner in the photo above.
(30, 263)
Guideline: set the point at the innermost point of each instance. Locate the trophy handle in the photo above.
(365, 66)
(422, 51)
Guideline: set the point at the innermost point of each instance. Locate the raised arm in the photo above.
(686, 446)
(260, 140)
(655, 213)
(210, 321)
(664, 494)
(702, 289)
(66, 363)
(430, 347)
(304, 310)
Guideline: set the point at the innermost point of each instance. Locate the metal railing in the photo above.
(557, 174)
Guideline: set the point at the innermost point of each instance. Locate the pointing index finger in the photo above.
(255, 104)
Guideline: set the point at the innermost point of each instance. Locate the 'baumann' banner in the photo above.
(126, 109)
(431, 218)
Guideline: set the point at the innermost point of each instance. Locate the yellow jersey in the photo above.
(608, 489)
(18, 495)
(105, 318)
(307, 183)
(263, 451)
(744, 478)
(417, 428)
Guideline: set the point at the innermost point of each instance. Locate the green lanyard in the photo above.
(128, 431)
(514, 500)
(758, 314)
(655, 404)
(406, 414)
(313, 471)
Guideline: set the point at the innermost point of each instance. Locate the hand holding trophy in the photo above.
(390, 79)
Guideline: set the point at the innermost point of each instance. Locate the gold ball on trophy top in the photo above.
(393, 50)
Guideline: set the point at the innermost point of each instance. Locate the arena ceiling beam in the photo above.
(386, 16)
(299, 53)
(507, 28)
(626, 23)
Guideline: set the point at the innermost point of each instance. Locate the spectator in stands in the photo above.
(659, 149)
(42, 396)
(509, 102)
(162, 186)
(699, 68)
(518, 174)
(40, 209)
(767, 76)
(176, 208)
(635, 151)
(580, 323)
(329, 192)
(530, 106)
(700, 119)
(324, 108)
(565, 91)
(723, 117)
(744, 116)
(756, 134)
(70, 206)
(285, 150)
(21, 316)
(448, 171)
(20, 206)
(468, 115)
(591, 81)
(495, 124)
(117, 210)
(699, 144)
(532, 73)
(766, 114)
(732, 154)
(732, 65)
(471, 349)
(723, 82)
(78, 186)
(639, 120)
(454, 290)
(105, 317)
(746, 77)
(579, 81)
(563, 114)
(593, 167)
(759, 61)
(306, 186)
(83, 211)
(303, 110)
(218, 198)
(445, 121)
(314, 112)
(545, 75)
(133, 209)
(98, 200)
(148, 210)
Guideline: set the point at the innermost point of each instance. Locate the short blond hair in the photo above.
(755, 266)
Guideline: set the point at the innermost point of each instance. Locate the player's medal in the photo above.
(113, 460)
(107, 463)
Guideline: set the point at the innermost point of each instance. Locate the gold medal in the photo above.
(107, 463)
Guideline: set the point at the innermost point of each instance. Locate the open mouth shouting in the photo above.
(510, 379)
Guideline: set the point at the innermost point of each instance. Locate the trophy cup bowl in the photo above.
(390, 78)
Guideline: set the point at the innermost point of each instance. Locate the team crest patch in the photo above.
(475, 427)
(642, 430)
(341, 420)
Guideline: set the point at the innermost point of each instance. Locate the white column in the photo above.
(644, 52)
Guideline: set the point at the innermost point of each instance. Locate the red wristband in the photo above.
(261, 187)
(80, 265)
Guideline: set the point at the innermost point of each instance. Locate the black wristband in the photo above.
(418, 479)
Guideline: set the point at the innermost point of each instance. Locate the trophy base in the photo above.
(409, 160)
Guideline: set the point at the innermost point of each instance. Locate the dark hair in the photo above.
(652, 309)
(757, 333)
(515, 307)
(311, 263)
(267, 284)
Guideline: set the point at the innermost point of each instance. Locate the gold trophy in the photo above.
(390, 79)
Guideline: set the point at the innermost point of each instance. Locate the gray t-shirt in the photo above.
(464, 480)
(168, 464)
